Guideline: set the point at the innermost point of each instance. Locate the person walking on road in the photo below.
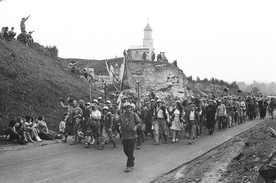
(210, 117)
(192, 119)
(94, 128)
(107, 123)
(220, 115)
(177, 120)
(77, 115)
(129, 123)
(161, 117)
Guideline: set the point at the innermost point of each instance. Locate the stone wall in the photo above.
(160, 77)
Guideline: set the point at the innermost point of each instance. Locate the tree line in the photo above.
(256, 88)
(213, 81)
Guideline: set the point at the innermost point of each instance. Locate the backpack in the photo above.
(164, 112)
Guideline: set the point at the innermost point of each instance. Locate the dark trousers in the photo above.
(200, 124)
(13, 135)
(47, 135)
(221, 122)
(139, 138)
(129, 145)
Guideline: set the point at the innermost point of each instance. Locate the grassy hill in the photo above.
(32, 80)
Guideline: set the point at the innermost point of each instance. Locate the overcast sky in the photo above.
(230, 40)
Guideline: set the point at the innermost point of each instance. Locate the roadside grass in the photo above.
(258, 144)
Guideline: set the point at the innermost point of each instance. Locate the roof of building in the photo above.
(148, 28)
(137, 47)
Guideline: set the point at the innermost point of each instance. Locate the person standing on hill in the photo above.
(22, 24)
(11, 33)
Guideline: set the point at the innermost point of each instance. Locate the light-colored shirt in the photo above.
(242, 105)
(96, 114)
(192, 115)
(61, 126)
(221, 110)
(160, 113)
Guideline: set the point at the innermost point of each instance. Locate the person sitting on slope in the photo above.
(43, 131)
(12, 134)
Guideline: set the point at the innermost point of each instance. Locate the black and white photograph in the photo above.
(149, 91)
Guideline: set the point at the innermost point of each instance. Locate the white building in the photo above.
(135, 52)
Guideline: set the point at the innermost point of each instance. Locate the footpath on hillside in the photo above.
(64, 163)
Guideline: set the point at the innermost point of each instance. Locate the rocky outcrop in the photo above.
(162, 78)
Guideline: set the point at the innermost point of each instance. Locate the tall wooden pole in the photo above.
(105, 92)
(138, 100)
(90, 88)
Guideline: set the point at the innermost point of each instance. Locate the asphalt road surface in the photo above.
(64, 163)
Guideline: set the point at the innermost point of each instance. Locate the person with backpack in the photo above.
(161, 117)
(177, 120)
(130, 122)
(107, 123)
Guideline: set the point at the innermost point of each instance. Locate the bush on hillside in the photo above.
(53, 50)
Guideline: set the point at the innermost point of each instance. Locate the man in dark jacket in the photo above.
(129, 123)
(210, 117)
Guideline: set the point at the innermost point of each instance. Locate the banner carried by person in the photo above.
(118, 74)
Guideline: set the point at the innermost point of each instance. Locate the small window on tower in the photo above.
(137, 52)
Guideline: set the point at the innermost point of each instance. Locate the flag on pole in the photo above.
(117, 72)
(119, 100)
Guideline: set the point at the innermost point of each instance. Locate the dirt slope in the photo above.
(31, 82)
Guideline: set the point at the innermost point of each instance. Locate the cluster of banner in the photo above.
(118, 74)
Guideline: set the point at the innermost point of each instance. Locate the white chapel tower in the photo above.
(148, 41)
(137, 51)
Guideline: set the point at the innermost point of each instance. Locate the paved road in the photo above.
(64, 163)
